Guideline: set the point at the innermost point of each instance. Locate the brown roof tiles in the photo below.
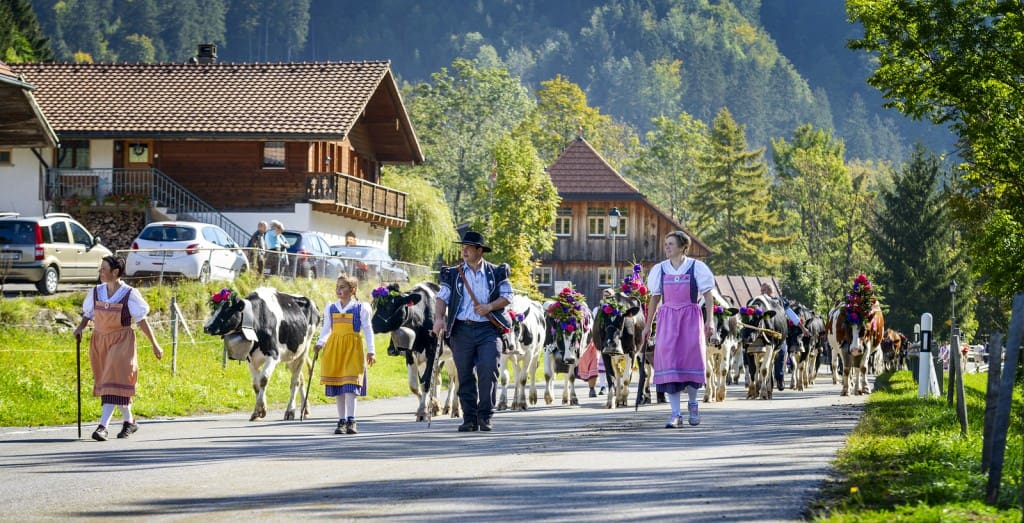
(290, 100)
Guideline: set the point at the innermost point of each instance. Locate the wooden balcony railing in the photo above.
(345, 195)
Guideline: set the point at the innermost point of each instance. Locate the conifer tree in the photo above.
(21, 38)
(735, 219)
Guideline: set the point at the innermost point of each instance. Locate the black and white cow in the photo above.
(618, 335)
(562, 350)
(723, 346)
(268, 327)
(523, 357)
(763, 332)
(409, 317)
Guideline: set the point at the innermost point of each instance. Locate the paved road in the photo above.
(747, 461)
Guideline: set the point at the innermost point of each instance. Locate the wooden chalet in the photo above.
(299, 142)
(583, 250)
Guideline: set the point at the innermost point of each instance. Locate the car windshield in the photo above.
(294, 239)
(353, 252)
(168, 233)
(17, 232)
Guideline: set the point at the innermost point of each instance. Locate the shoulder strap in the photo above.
(469, 290)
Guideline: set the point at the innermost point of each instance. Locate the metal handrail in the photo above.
(158, 189)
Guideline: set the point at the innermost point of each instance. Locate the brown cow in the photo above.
(855, 342)
(892, 347)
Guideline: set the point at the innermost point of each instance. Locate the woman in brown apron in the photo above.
(113, 306)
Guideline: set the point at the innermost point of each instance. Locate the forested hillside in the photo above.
(634, 59)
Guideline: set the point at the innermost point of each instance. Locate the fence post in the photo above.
(995, 475)
(995, 354)
(174, 335)
(956, 383)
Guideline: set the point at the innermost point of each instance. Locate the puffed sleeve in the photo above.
(705, 279)
(365, 315)
(137, 305)
(89, 304)
(654, 280)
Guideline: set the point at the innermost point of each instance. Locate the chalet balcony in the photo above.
(352, 197)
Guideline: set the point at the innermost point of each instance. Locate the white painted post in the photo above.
(928, 384)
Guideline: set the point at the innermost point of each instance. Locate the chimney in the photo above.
(207, 53)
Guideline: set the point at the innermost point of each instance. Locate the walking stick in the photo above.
(428, 378)
(78, 372)
(643, 378)
(309, 383)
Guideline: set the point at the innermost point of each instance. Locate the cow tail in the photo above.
(428, 372)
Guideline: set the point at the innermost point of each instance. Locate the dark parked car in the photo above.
(371, 263)
(313, 254)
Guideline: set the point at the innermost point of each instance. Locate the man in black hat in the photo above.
(471, 313)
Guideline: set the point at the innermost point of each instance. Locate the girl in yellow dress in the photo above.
(343, 368)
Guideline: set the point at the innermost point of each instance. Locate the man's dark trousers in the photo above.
(476, 345)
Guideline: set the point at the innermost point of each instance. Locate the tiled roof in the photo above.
(581, 169)
(217, 99)
(743, 288)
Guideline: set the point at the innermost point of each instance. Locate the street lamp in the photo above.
(613, 224)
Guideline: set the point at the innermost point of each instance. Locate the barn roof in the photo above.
(22, 123)
(223, 100)
(743, 288)
(581, 174)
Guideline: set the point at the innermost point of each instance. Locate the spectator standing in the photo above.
(257, 248)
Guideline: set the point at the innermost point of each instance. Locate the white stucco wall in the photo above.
(22, 183)
(332, 228)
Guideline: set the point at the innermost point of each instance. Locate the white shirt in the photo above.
(705, 279)
(137, 306)
(364, 322)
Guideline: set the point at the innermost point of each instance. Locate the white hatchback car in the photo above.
(189, 249)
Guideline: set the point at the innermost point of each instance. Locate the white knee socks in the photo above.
(673, 401)
(346, 405)
(108, 412)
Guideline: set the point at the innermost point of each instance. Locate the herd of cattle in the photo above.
(268, 327)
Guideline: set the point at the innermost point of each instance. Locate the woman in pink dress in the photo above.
(680, 349)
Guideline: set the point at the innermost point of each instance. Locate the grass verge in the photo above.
(906, 460)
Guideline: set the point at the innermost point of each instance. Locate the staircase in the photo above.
(167, 198)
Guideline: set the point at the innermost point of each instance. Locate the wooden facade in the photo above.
(582, 252)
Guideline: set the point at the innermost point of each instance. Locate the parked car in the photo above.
(313, 254)
(371, 263)
(189, 249)
(48, 250)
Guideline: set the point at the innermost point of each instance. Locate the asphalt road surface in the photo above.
(747, 461)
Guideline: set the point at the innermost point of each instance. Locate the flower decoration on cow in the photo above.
(751, 315)
(568, 311)
(220, 297)
(381, 293)
(860, 300)
(633, 285)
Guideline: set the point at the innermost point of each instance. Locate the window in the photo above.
(59, 230)
(604, 277)
(73, 155)
(542, 276)
(5, 157)
(80, 235)
(563, 222)
(595, 225)
(273, 155)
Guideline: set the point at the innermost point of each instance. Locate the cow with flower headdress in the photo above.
(567, 324)
(855, 329)
(526, 343)
(409, 318)
(265, 328)
(723, 347)
(762, 335)
(618, 334)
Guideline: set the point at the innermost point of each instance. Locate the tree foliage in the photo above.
(668, 167)
(518, 233)
(960, 63)
(430, 233)
(21, 38)
(735, 219)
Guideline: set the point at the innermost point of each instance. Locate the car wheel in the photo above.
(204, 273)
(48, 285)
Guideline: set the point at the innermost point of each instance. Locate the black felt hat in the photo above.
(474, 238)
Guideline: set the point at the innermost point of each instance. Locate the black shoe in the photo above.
(127, 430)
(601, 392)
(593, 393)
(468, 426)
(350, 427)
(100, 434)
(485, 426)
(340, 429)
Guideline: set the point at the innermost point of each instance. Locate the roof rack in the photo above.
(9, 214)
(56, 215)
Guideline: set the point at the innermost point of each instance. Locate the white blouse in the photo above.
(705, 279)
(137, 306)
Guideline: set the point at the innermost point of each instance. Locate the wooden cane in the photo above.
(309, 383)
(78, 372)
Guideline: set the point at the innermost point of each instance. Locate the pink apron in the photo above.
(680, 351)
